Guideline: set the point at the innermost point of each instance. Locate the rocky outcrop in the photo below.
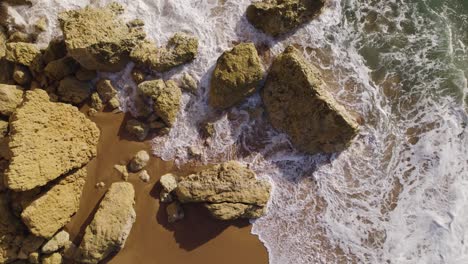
(10, 97)
(276, 17)
(53, 209)
(47, 140)
(111, 225)
(165, 96)
(71, 90)
(26, 54)
(180, 49)
(229, 190)
(238, 74)
(10, 228)
(298, 103)
(97, 38)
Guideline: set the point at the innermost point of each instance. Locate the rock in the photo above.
(3, 129)
(111, 225)
(59, 241)
(168, 182)
(139, 161)
(189, 84)
(3, 39)
(96, 102)
(138, 75)
(175, 212)
(71, 90)
(231, 211)
(298, 103)
(92, 112)
(10, 230)
(19, 36)
(165, 197)
(53, 209)
(208, 129)
(144, 176)
(106, 90)
(62, 138)
(22, 75)
(10, 97)
(56, 50)
(114, 103)
(30, 245)
(276, 17)
(55, 258)
(195, 152)
(180, 49)
(41, 24)
(100, 185)
(166, 97)
(85, 75)
(97, 38)
(237, 75)
(138, 129)
(34, 258)
(26, 54)
(58, 69)
(123, 170)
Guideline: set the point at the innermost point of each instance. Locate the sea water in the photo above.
(399, 193)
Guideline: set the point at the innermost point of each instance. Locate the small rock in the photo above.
(34, 258)
(138, 129)
(139, 161)
(55, 258)
(100, 185)
(208, 129)
(59, 241)
(138, 75)
(114, 103)
(195, 152)
(165, 197)
(71, 90)
(41, 24)
(10, 97)
(96, 102)
(175, 212)
(188, 83)
(144, 176)
(106, 90)
(168, 182)
(84, 74)
(123, 170)
(92, 112)
(22, 75)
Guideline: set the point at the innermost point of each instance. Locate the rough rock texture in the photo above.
(71, 90)
(47, 140)
(3, 39)
(106, 90)
(23, 53)
(139, 161)
(59, 69)
(237, 75)
(55, 258)
(111, 225)
(22, 75)
(166, 97)
(96, 102)
(180, 49)
(10, 97)
(97, 38)
(226, 187)
(59, 241)
(276, 17)
(168, 182)
(53, 210)
(188, 83)
(298, 103)
(10, 228)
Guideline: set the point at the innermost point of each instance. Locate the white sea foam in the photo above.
(399, 194)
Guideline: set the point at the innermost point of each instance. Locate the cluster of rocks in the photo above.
(229, 191)
(135, 165)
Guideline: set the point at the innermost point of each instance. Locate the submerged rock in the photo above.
(237, 75)
(230, 191)
(97, 38)
(72, 90)
(62, 139)
(26, 54)
(111, 225)
(10, 97)
(298, 103)
(54, 209)
(276, 17)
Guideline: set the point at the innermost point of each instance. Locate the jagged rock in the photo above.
(53, 210)
(10, 230)
(180, 49)
(106, 90)
(26, 54)
(166, 97)
(22, 75)
(56, 50)
(144, 176)
(71, 90)
(276, 17)
(188, 83)
(59, 241)
(96, 102)
(237, 75)
(55, 258)
(111, 225)
(97, 38)
(139, 161)
(138, 129)
(41, 24)
(59, 69)
(122, 169)
(175, 212)
(84, 74)
(10, 97)
(47, 140)
(298, 103)
(168, 182)
(230, 211)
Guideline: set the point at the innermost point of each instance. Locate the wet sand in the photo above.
(195, 239)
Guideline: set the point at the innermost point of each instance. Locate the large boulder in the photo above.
(10, 97)
(97, 38)
(47, 140)
(237, 75)
(276, 17)
(111, 225)
(166, 98)
(54, 209)
(180, 49)
(298, 103)
(229, 191)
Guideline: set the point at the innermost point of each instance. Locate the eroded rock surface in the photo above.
(10, 97)
(111, 225)
(238, 74)
(47, 140)
(276, 17)
(298, 103)
(26, 54)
